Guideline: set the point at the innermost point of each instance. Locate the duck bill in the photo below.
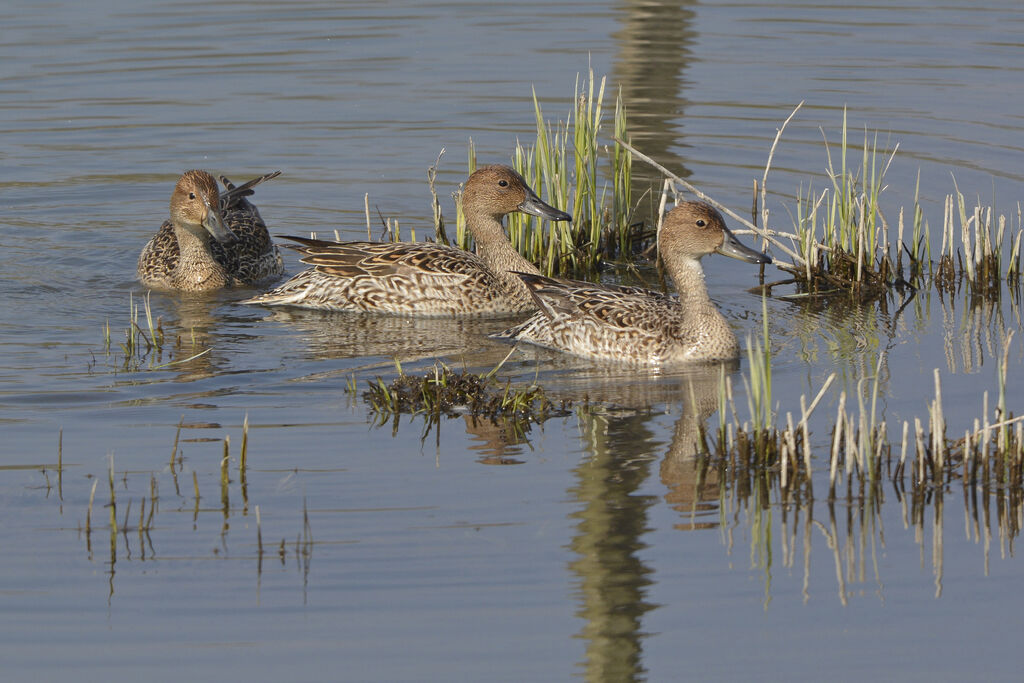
(733, 247)
(214, 223)
(534, 206)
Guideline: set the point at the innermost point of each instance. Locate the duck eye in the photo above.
(191, 195)
(701, 222)
(502, 183)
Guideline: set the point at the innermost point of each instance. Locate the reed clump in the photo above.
(862, 454)
(843, 242)
(570, 167)
(760, 451)
(842, 235)
(976, 246)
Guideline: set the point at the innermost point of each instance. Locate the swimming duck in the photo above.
(638, 326)
(182, 256)
(426, 279)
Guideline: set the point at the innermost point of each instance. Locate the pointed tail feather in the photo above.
(234, 193)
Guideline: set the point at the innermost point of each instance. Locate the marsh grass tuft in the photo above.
(143, 347)
(841, 237)
(919, 468)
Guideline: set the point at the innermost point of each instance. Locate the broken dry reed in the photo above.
(88, 512)
(60, 464)
(242, 457)
(113, 497)
(435, 203)
(224, 480)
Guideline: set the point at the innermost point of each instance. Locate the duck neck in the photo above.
(497, 251)
(688, 277)
(197, 269)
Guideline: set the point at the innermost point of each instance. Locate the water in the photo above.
(588, 550)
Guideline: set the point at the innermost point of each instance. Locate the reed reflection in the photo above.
(612, 519)
(974, 328)
(654, 51)
(623, 448)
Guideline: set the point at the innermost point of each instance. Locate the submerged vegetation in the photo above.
(445, 392)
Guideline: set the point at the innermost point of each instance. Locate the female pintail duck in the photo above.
(426, 279)
(182, 256)
(639, 326)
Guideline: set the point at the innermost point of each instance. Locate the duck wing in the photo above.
(619, 306)
(385, 259)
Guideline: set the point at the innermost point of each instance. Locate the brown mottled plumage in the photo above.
(182, 255)
(632, 325)
(423, 278)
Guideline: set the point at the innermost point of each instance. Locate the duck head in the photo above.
(195, 205)
(499, 190)
(696, 229)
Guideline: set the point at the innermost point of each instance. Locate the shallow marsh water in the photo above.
(589, 549)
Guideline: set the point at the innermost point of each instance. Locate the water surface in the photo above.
(586, 550)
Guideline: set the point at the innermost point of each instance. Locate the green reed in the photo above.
(571, 168)
(143, 347)
(841, 236)
(138, 343)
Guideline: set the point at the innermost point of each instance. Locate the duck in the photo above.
(211, 240)
(634, 325)
(425, 278)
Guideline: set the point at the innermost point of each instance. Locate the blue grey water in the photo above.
(580, 552)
